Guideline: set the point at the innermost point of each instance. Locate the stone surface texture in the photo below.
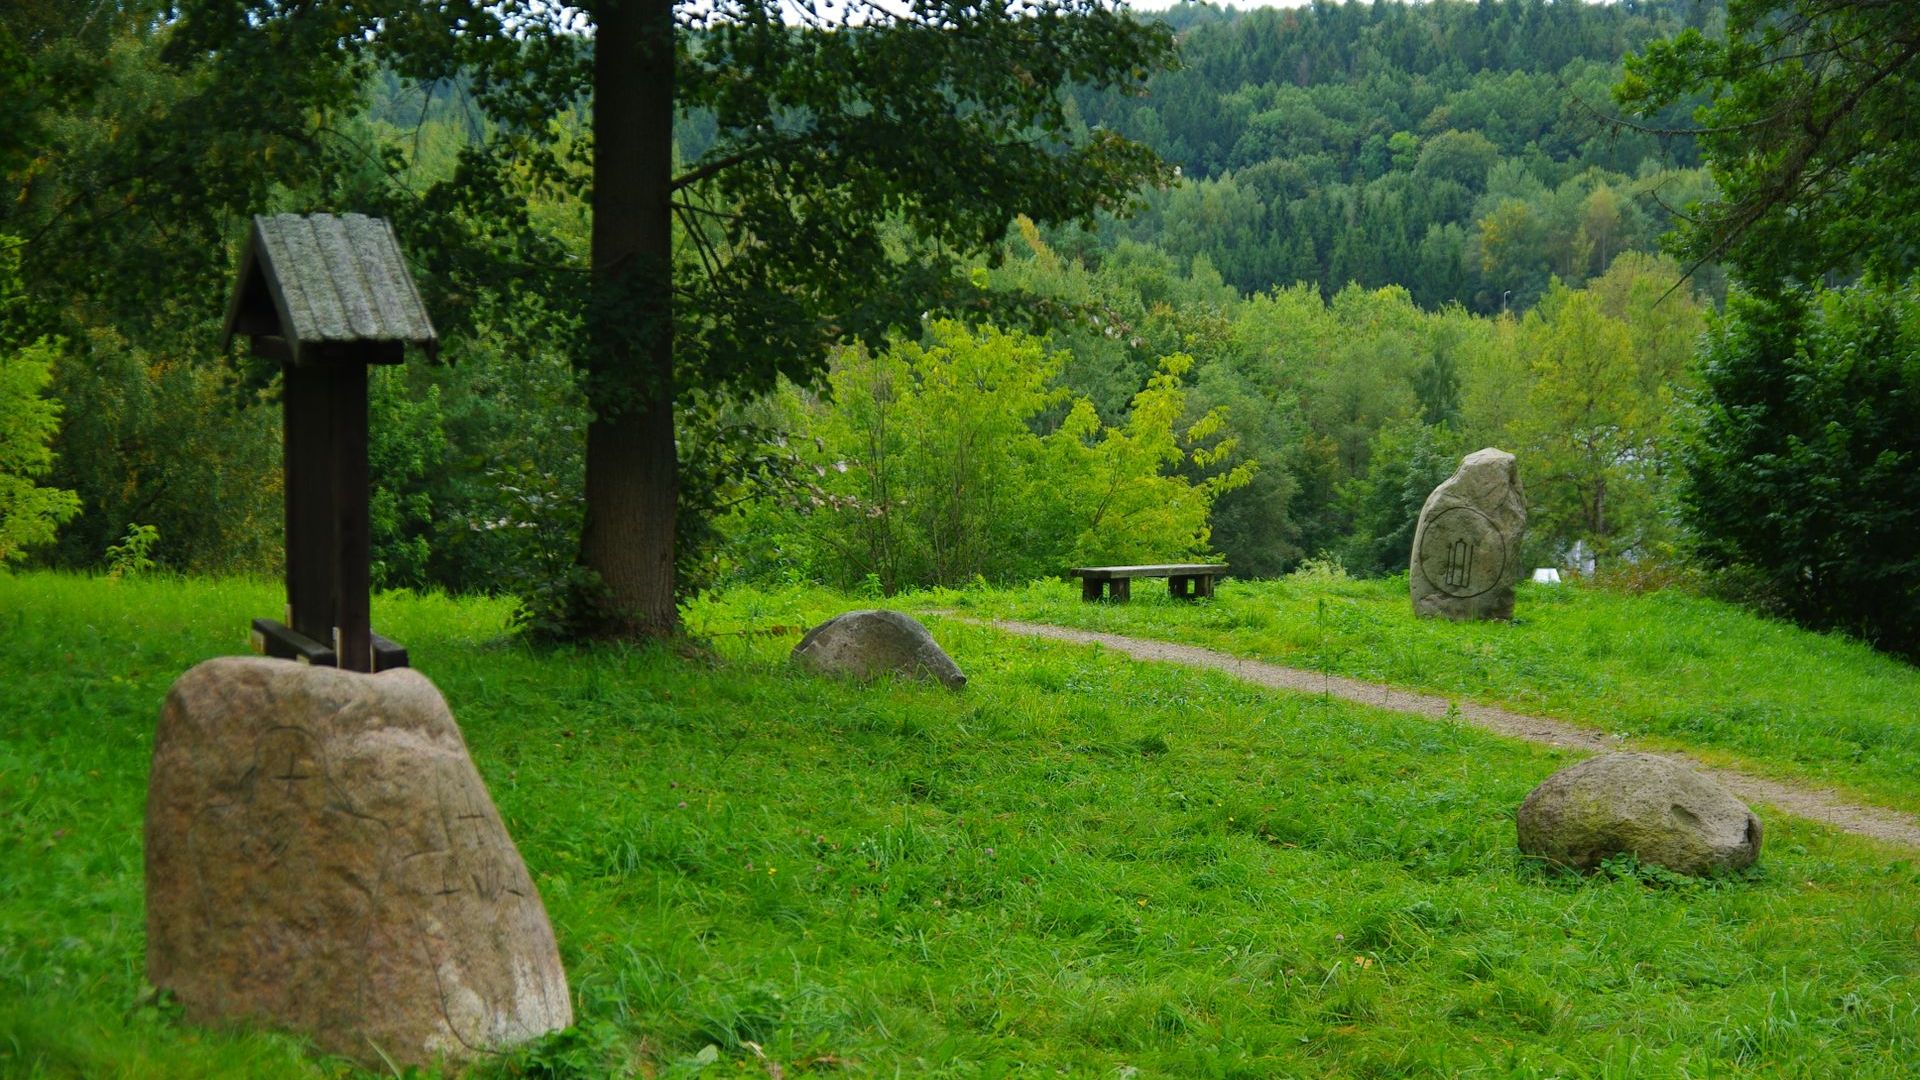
(1657, 809)
(868, 644)
(1466, 546)
(322, 858)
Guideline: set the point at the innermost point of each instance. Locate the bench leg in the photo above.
(1204, 585)
(1090, 589)
(1122, 590)
(1180, 587)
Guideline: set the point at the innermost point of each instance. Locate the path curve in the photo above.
(1815, 804)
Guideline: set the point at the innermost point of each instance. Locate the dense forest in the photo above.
(1390, 233)
(1466, 152)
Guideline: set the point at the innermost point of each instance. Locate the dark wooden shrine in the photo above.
(327, 295)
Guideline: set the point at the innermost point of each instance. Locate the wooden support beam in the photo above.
(307, 409)
(352, 551)
(277, 640)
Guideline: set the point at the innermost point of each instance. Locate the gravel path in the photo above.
(1816, 804)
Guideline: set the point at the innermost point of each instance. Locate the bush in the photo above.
(29, 511)
(1803, 461)
(927, 469)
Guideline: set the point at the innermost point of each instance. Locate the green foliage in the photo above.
(1453, 149)
(29, 512)
(407, 446)
(1596, 429)
(133, 555)
(1806, 132)
(1804, 463)
(148, 436)
(928, 468)
(899, 879)
(1802, 466)
(1317, 390)
(1407, 460)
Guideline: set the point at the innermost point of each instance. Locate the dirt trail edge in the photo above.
(1816, 804)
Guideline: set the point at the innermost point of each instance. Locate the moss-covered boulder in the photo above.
(869, 644)
(1654, 808)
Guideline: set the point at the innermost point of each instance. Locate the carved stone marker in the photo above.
(868, 644)
(1466, 548)
(1653, 808)
(322, 858)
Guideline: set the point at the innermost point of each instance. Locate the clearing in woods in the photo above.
(1079, 864)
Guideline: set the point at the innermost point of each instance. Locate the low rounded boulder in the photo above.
(868, 644)
(1651, 807)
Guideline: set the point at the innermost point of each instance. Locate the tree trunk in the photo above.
(632, 473)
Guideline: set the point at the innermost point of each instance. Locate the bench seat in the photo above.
(1185, 581)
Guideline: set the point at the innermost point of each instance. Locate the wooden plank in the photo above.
(271, 347)
(1190, 586)
(328, 279)
(358, 354)
(1149, 570)
(352, 541)
(307, 417)
(388, 654)
(278, 641)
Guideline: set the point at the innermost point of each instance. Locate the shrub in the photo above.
(929, 467)
(1803, 462)
(29, 512)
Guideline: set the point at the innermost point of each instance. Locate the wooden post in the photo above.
(352, 546)
(327, 295)
(307, 417)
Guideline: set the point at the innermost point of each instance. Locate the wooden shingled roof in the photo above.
(332, 287)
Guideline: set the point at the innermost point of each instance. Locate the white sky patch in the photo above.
(569, 18)
(1243, 5)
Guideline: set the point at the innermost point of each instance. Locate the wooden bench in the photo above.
(1185, 581)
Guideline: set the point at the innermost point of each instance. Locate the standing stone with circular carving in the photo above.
(1466, 547)
(322, 858)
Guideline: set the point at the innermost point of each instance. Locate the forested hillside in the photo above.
(1459, 149)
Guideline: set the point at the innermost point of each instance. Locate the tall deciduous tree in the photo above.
(1605, 364)
(859, 149)
(1801, 466)
(1808, 129)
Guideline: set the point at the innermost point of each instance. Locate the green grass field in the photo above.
(1666, 668)
(1077, 866)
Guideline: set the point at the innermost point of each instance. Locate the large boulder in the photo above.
(1466, 546)
(1656, 809)
(322, 858)
(868, 644)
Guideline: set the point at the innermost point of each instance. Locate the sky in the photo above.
(1162, 5)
